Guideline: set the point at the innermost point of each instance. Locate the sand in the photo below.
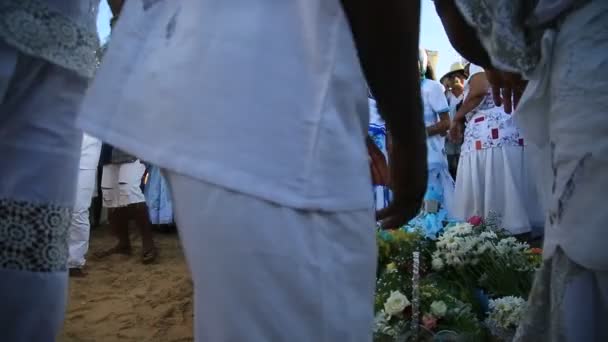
(122, 300)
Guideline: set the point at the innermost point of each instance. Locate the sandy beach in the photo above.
(122, 300)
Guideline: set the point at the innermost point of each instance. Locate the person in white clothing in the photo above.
(80, 226)
(438, 198)
(493, 178)
(547, 59)
(378, 151)
(257, 113)
(454, 81)
(47, 57)
(122, 193)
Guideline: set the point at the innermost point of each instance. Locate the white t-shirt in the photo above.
(264, 98)
(434, 103)
(453, 102)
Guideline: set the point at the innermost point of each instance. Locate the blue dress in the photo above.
(158, 198)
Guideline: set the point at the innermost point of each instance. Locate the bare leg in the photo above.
(119, 222)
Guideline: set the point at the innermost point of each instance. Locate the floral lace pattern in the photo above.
(33, 237)
(512, 46)
(34, 29)
(544, 320)
(489, 126)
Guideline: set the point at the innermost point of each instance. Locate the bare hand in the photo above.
(456, 132)
(507, 88)
(378, 164)
(408, 182)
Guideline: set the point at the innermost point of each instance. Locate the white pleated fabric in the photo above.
(496, 181)
(264, 272)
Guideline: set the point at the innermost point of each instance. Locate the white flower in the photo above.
(506, 312)
(457, 261)
(461, 229)
(439, 308)
(380, 321)
(488, 235)
(437, 264)
(396, 303)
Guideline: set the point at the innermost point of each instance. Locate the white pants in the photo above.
(263, 272)
(80, 226)
(39, 145)
(120, 184)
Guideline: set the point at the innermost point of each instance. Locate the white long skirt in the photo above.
(496, 181)
(265, 272)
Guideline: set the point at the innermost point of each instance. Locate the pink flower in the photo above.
(429, 322)
(476, 221)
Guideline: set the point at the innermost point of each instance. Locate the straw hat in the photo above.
(456, 67)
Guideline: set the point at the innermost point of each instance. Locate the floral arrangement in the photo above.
(482, 256)
(504, 315)
(441, 313)
(430, 290)
(438, 310)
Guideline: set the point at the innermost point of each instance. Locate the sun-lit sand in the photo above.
(123, 300)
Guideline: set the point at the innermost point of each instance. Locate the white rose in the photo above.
(437, 264)
(439, 308)
(396, 303)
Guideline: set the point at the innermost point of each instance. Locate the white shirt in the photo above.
(264, 98)
(453, 102)
(434, 103)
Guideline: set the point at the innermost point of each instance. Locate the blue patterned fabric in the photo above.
(382, 194)
(158, 198)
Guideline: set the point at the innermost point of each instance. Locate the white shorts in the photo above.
(120, 184)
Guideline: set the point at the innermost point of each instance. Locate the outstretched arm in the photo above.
(386, 35)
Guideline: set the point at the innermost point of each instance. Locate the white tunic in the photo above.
(262, 97)
(434, 103)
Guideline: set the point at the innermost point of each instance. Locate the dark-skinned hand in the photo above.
(408, 165)
(507, 88)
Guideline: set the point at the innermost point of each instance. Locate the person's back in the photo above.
(257, 97)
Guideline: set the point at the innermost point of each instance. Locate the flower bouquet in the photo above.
(485, 257)
(432, 290)
(504, 316)
(440, 314)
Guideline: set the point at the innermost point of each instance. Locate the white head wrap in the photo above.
(423, 59)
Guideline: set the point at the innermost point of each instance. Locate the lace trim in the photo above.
(36, 30)
(544, 320)
(33, 237)
(499, 25)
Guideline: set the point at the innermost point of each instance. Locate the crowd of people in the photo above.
(256, 114)
(480, 168)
